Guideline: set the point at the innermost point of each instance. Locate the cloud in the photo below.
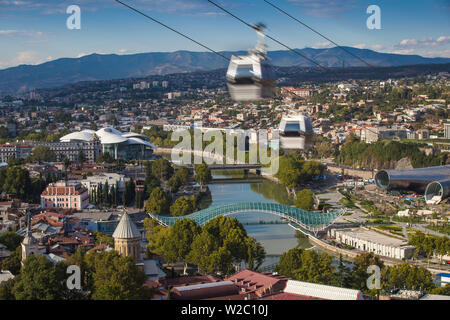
(325, 8)
(322, 45)
(25, 57)
(360, 46)
(422, 43)
(25, 33)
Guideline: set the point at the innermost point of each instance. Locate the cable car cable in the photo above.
(275, 40)
(317, 32)
(171, 29)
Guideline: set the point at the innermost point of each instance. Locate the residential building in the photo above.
(65, 194)
(71, 149)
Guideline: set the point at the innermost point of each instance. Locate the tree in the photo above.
(43, 153)
(305, 200)
(406, 276)
(203, 174)
(129, 193)
(342, 275)
(116, 277)
(103, 238)
(289, 262)
(17, 183)
(255, 253)
(7, 290)
(11, 240)
(158, 202)
(104, 157)
(445, 291)
(359, 273)
(162, 169)
(221, 242)
(81, 157)
(39, 279)
(315, 268)
(13, 262)
(156, 235)
(179, 242)
(183, 206)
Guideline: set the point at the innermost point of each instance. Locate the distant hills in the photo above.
(111, 66)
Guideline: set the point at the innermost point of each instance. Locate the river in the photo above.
(270, 230)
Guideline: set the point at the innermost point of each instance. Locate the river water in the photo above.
(270, 230)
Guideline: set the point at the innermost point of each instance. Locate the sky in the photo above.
(35, 31)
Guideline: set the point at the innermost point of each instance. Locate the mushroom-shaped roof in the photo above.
(110, 135)
(135, 135)
(126, 229)
(84, 135)
(139, 141)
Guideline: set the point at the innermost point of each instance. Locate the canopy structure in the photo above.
(434, 182)
(311, 221)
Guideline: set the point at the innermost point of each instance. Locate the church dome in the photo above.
(126, 229)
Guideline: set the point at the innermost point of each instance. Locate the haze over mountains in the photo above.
(111, 66)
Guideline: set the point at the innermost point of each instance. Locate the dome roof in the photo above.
(84, 135)
(108, 135)
(126, 229)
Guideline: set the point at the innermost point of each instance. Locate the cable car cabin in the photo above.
(296, 132)
(250, 78)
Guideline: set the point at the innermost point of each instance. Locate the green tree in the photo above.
(305, 200)
(162, 169)
(359, 273)
(11, 240)
(116, 277)
(406, 276)
(179, 242)
(445, 291)
(43, 153)
(103, 238)
(17, 183)
(13, 262)
(39, 279)
(289, 262)
(158, 202)
(203, 174)
(182, 206)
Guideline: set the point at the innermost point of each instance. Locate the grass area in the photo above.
(388, 234)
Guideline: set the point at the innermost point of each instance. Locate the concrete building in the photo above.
(71, 149)
(114, 179)
(129, 145)
(65, 194)
(371, 241)
(17, 151)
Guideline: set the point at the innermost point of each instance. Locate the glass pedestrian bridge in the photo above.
(311, 221)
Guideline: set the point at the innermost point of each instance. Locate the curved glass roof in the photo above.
(308, 220)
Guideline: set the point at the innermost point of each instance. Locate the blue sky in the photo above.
(34, 31)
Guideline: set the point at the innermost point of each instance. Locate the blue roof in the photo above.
(443, 274)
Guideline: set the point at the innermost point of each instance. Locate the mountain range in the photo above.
(112, 66)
